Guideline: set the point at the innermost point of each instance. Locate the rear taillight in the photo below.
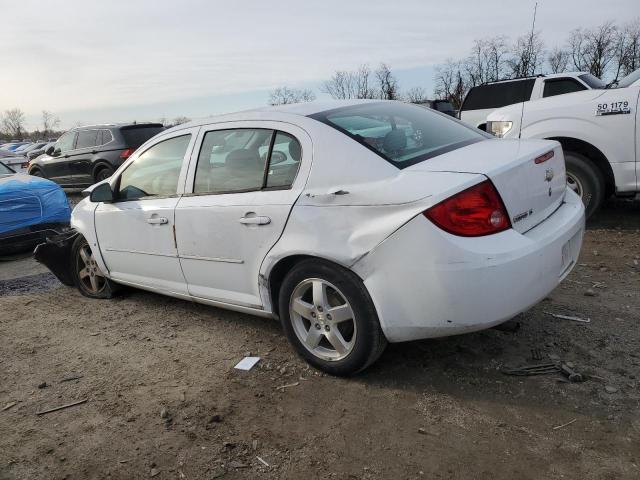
(473, 212)
(126, 153)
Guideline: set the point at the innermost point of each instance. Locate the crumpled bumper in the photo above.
(55, 254)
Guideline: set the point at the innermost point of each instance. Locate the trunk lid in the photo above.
(530, 190)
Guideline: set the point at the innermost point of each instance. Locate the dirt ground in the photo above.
(163, 400)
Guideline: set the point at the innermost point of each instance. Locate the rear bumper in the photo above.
(427, 283)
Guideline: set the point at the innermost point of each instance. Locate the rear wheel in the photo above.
(328, 316)
(87, 274)
(584, 178)
(103, 173)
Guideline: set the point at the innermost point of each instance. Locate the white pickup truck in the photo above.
(599, 131)
(483, 99)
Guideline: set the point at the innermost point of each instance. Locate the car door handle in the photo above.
(157, 220)
(255, 220)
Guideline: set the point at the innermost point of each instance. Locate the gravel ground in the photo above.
(163, 400)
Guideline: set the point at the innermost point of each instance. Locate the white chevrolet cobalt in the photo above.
(355, 223)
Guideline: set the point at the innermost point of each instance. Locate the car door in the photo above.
(243, 181)
(136, 232)
(56, 166)
(80, 157)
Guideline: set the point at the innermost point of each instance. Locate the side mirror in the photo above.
(56, 151)
(102, 193)
(49, 151)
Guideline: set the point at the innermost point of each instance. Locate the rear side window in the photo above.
(136, 136)
(86, 139)
(497, 95)
(246, 159)
(561, 86)
(400, 133)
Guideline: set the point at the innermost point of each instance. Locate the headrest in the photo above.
(394, 141)
(295, 150)
(243, 159)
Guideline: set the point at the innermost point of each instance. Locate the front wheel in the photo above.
(103, 174)
(584, 178)
(87, 274)
(328, 316)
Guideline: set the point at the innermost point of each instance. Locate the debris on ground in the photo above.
(558, 427)
(565, 368)
(610, 389)
(62, 407)
(9, 405)
(282, 387)
(568, 317)
(262, 461)
(247, 363)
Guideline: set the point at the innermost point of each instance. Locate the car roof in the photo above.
(304, 109)
(532, 77)
(117, 125)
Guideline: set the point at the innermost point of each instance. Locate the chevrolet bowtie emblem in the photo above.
(548, 175)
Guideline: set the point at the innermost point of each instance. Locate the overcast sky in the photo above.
(117, 60)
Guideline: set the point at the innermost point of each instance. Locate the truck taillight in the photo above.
(474, 212)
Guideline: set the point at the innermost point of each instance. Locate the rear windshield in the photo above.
(497, 95)
(136, 136)
(401, 133)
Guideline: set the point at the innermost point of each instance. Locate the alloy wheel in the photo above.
(574, 184)
(89, 273)
(323, 319)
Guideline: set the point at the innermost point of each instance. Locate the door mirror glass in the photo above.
(56, 152)
(49, 151)
(102, 193)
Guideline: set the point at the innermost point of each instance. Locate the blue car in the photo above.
(31, 209)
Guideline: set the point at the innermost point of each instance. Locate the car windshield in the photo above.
(4, 170)
(629, 79)
(400, 133)
(593, 82)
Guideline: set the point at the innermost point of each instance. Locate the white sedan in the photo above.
(355, 223)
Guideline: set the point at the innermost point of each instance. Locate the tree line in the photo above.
(12, 125)
(608, 51)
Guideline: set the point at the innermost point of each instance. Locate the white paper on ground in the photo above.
(247, 363)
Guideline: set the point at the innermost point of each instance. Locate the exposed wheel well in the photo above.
(593, 154)
(280, 270)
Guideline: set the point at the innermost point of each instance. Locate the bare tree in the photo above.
(13, 122)
(558, 60)
(179, 120)
(387, 83)
(451, 83)
(594, 50)
(49, 122)
(416, 95)
(526, 55)
(628, 48)
(346, 84)
(285, 95)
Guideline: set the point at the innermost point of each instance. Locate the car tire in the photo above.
(103, 173)
(584, 178)
(86, 273)
(343, 344)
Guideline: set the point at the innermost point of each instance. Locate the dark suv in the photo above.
(86, 155)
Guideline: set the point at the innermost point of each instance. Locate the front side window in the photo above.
(66, 141)
(155, 172)
(86, 139)
(561, 86)
(400, 133)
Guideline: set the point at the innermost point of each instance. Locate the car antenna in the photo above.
(529, 52)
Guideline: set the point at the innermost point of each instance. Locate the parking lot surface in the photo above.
(164, 401)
